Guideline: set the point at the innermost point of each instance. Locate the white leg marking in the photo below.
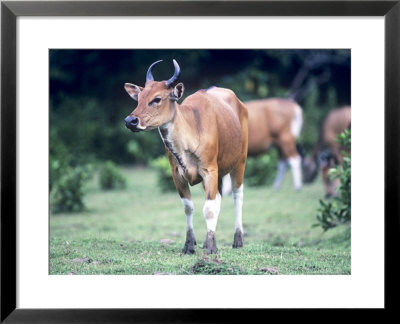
(226, 185)
(297, 122)
(211, 211)
(282, 165)
(237, 195)
(189, 207)
(295, 164)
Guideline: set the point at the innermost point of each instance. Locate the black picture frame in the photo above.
(10, 10)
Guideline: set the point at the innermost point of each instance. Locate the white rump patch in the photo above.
(226, 185)
(297, 122)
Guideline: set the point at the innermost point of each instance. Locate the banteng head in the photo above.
(156, 101)
(310, 168)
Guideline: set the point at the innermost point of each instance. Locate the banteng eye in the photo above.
(155, 101)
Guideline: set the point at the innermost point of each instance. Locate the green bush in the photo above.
(59, 159)
(110, 177)
(56, 170)
(144, 146)
(338, 211)
(164, 173)
(261, 170)
(68, 193)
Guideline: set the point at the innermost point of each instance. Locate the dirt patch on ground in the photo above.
(216, 267)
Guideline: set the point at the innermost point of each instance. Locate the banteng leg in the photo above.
(287, 148)
(211, 209)
(282, 166)
(329, 187)
(184, 192)
(237, 194)
(330, 184)
(295, 165)
(190, 239)
(226, 185)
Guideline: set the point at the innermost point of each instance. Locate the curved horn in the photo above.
(175, 77)
(149, 75)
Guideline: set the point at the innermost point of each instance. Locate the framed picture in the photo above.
(30, 294)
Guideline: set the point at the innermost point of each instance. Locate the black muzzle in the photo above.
(131, 123)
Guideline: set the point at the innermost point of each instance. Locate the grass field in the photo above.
(140, 230)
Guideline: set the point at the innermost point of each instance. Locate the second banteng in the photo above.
(205, 138)
(275, 122)
(327, 152)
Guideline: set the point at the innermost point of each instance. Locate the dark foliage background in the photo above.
(88, 102)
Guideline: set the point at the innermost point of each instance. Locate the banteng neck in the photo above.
(165, 133)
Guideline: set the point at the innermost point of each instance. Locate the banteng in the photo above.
(275, 122)
(205, 138)
(327, 151)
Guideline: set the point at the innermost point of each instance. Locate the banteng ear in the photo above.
(177, 93)
(133, 90)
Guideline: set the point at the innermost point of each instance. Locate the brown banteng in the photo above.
(327, 151)
(275, 122)
(205, 138)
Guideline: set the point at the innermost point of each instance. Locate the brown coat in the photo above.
(270, 122)
(205, 138)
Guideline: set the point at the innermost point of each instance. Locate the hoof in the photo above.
(210, 243)
(238, 239)
(190, 243)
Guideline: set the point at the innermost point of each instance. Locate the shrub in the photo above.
(261, 170)
(338, 211)
(110, 177)
(56, 170)
(68, 192)
(59, 159)
(164, 173)
(144, 146)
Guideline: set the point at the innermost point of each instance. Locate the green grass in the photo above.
(141, 230)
